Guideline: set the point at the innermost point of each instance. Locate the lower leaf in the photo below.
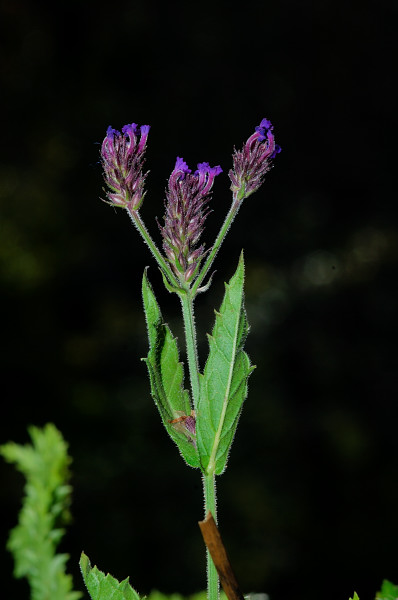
(166, 378)
(105, 587)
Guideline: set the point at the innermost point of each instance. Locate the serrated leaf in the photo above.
(33, 542)
(388, 591)
(223, 385)
(355, 596)
(105, 587)
(156, 595)
(166, 376)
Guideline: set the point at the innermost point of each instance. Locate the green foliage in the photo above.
(166, 375)
(156, 595)
(223, 385)
(105, 587)
(388, 591)
(34, 540)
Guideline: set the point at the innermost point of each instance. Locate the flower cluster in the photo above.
(186, 210)
(122, 157)
(253, 161)
(187, 195)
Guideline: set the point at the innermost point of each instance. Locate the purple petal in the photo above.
(202, 168)
(215, 170)
(130, 128)
(276, 151)
(145, 129)
(266, 124)
(110, 133)
(181, 165)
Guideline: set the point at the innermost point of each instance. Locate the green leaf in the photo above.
(33, 542)
(223, 385)
(105, 587)
(388, 591)
(355, 596)
(156, 595)
(166, 376)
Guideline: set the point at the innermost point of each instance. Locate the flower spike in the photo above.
(254, 160)
(186, 212)
(122, 157)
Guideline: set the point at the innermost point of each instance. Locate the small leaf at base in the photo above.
(388, 591)
(105, 587)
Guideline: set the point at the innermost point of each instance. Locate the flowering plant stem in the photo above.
(209, 479)
(209, 489)
(186, 298)
(164, 267)
(217, 244)
(202, 423)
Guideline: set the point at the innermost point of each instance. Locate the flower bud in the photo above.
(122, 157)
(253, 161)
(186, 212)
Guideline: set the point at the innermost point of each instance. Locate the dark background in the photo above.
(308, 504)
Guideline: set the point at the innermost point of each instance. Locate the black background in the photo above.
(308, 504)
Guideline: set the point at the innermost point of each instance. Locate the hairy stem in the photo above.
(165, 268)
(209, 483)
(209, 489)
(190, 339)
(236, 203)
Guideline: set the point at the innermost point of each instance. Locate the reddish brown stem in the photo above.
(214, 543)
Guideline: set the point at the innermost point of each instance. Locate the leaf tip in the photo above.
(85, 565)
(145, 276)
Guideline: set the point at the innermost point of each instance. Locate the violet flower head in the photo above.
(122, 157)
(187, 197)
(254, 160)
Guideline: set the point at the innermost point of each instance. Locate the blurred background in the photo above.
(308, 504)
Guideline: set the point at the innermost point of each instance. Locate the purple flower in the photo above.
(186, 210)
(254, 160)
(122, 157)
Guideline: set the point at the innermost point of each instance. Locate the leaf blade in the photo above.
(45, 508)
(223, 385)
(388, 591)
(166, 376)
(105, 587)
